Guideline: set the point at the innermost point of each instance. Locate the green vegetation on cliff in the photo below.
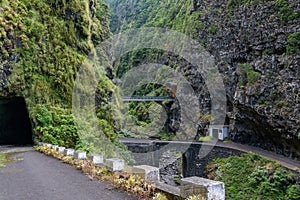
(44, 43)
(50, 40)
(175, 14)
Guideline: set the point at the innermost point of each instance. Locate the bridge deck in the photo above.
(146, 98)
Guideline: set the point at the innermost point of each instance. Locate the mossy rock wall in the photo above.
(43, 45)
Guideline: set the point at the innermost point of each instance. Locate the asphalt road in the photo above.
(34, 176)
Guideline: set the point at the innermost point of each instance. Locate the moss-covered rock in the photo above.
(44, 44)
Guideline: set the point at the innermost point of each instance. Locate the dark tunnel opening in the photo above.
(15, 126)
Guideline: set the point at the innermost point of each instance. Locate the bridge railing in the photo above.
(146, 98)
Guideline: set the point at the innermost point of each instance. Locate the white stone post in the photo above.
(96, 158)
(81, 155)
(209, 189)
(115, 164)
(148, 173)
(69, 152)
(60, 149)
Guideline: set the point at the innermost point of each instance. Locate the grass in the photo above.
(206, 139)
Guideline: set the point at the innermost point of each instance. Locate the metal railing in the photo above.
(146, 98)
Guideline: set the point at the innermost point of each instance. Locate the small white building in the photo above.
(218, 131)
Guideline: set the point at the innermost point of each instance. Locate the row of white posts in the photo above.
(209, 189)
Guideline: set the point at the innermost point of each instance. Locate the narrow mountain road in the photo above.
(284, 161)
(33, 175)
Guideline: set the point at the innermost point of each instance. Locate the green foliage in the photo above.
(252, 76)
(253, 177)
(293, 43)
(212, 29)
(169, 14)
(5, 158)
(196, 197)
(53, 47)
(50, 41)
(174, 15)
(286, 13)
(280, 104)
(165, 136)
(206, 138)
(293, 192)
(261, 100)
(206, 118)
(140, 111)
(234, 4)
(247, 75)
(54, 38)
(160, 196)
(54, 125)
(267, 52)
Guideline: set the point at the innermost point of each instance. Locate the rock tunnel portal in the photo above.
(15, 126)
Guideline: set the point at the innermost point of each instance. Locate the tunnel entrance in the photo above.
(15, 126)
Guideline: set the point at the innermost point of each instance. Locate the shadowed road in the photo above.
(35, 176)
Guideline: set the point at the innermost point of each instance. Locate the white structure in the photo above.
(148, 173)
(54, 147)
(69, 152)
(218, 131)
(96, 158)
(60, 149)
(210, 190)
(115, 164)
(81, 155)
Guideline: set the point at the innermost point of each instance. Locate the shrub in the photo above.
(252, 76)
(247, 75)
(54, 125)
(293, 43)
(250, 176)
(286, 13)
(293, 192)
(267, 52)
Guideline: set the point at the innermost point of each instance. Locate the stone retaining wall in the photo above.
(177, 160)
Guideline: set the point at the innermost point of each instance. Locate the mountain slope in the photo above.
(256, 48)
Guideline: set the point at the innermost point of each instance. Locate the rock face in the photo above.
(170, 167)
(257, 50)
(252, 45)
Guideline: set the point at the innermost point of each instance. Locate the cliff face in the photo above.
(256, 47)
(43, 44)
